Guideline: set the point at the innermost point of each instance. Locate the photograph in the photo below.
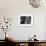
(25, 20)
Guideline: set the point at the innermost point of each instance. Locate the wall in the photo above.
(13, 8)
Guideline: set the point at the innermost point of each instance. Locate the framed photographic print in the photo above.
(25, 20)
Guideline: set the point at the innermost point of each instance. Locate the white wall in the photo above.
(13, 8)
